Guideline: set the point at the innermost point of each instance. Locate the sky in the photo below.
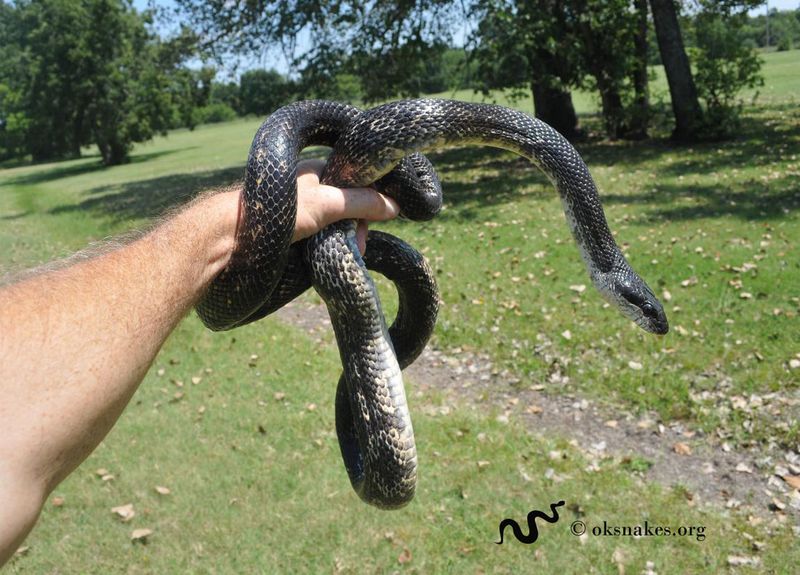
(779, 5)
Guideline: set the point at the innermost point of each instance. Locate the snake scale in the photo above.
(382, 147)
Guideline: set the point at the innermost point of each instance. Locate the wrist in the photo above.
(202, 237)
(219, 219)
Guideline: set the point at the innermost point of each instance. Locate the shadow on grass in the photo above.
(150, 198)
(80, 168)
(500, 177)
(749, 200)
(766, 136)
(15, 216)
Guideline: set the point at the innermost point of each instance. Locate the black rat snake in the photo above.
(381, 148)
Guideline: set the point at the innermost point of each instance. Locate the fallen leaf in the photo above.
(743, 468)
(739, 560)
(482, 464)
(141, 535)
(619, 557)
(125, 512)
(682, 448)
(635, 365)
(102, 471)
(196, 380)
(404, 557)
(57, 501)
(792, 481)
(163, 490)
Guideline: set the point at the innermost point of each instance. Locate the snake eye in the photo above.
(648, 309)
(633, 298)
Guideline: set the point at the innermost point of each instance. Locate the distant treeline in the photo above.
(259, 92)
(782, 31)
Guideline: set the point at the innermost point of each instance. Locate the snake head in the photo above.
(629, 293)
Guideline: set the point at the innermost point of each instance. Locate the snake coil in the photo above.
(382, 147)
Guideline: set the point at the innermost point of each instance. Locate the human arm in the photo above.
(76, 342)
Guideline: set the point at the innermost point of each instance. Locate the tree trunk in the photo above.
(612, 109)
(112, 151)
(640, 115)
(685, 105)
(78, 131)
(554, 106)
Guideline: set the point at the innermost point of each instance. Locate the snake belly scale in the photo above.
(382, 147)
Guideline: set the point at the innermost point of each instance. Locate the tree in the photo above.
(640, 109)
(555, 46)
(226, 93)
(725, 63)
(685, 104)
(191, 91)
(529, 44)
(261, 92)
(546, 47)
(13, 122)
(82, 72)
(613, 56)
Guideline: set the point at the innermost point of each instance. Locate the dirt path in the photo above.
(711, 471)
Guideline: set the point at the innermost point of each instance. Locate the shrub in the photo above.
(725, 64)
(215, 113)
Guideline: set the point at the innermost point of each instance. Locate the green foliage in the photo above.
(215, 113)
(225, 93)
(389, 46)
(80, 73)
(13, 124)
(724, 65)
(563, 45)
(261, 92)
(783, 26)
(191, 91)
(517, 41)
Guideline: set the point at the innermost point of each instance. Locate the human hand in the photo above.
(319, 205)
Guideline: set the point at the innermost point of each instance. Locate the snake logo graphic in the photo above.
(533, 534)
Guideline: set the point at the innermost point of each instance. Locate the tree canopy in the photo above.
(547, 47)
(75, 73)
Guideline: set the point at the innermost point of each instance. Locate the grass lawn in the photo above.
(239, 426)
